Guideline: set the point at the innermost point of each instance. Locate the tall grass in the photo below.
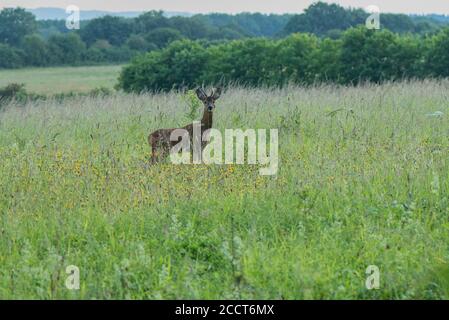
(363, 180)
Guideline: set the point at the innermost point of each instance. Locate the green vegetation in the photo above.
(48, 81)
(325, 19)
(364, 157)
(363, 180)
(26, 42)
(113, 39)
(360, 55)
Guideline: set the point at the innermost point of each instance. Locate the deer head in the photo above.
(209, 101)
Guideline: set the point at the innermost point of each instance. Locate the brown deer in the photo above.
(159, 140)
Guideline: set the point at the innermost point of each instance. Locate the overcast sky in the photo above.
(232, 6)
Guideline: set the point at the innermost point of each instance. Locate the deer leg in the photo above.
(153, 154)
(153, 142)
(159, 152)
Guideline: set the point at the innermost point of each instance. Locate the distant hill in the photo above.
(440, 17)
(59, 13)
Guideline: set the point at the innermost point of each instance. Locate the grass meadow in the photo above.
(363, 180)
(62, 79)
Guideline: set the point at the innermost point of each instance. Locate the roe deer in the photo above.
(159, 140)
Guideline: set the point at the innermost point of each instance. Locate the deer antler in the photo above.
(201, 93)
(216, 92)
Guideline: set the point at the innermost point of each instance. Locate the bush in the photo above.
(13, 91)
(100, 92)
(180, 64)
(10, 57)
(366, 55)
(437, 57)
(359, 55)
(36, 51)
(17, 92)
(66, 49)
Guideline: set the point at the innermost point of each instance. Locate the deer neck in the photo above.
(206, 121)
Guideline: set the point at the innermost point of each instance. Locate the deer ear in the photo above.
(201, 94)
(216, 93)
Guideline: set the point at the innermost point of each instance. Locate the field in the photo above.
(363, 180)
(62, 79)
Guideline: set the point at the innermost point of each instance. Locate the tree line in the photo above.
(359, 55)
(331, 20)
(27, 42)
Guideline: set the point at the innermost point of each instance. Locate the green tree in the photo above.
(15, 23)
(149, 21)
(178, 65)
(319, 18)
(10, 57)
(138, 43)
(229, 32)
(326, 58)
(325, 19)
(296, 56)
(408, 57)
(36, 51)
(437, 56)
(161, 37)
(245, 61)
(252, 24)
(399, 23)
(66, 49)
(368, 55)
(113, 29)
(191, 28)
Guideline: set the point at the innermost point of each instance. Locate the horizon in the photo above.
(231, 6)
